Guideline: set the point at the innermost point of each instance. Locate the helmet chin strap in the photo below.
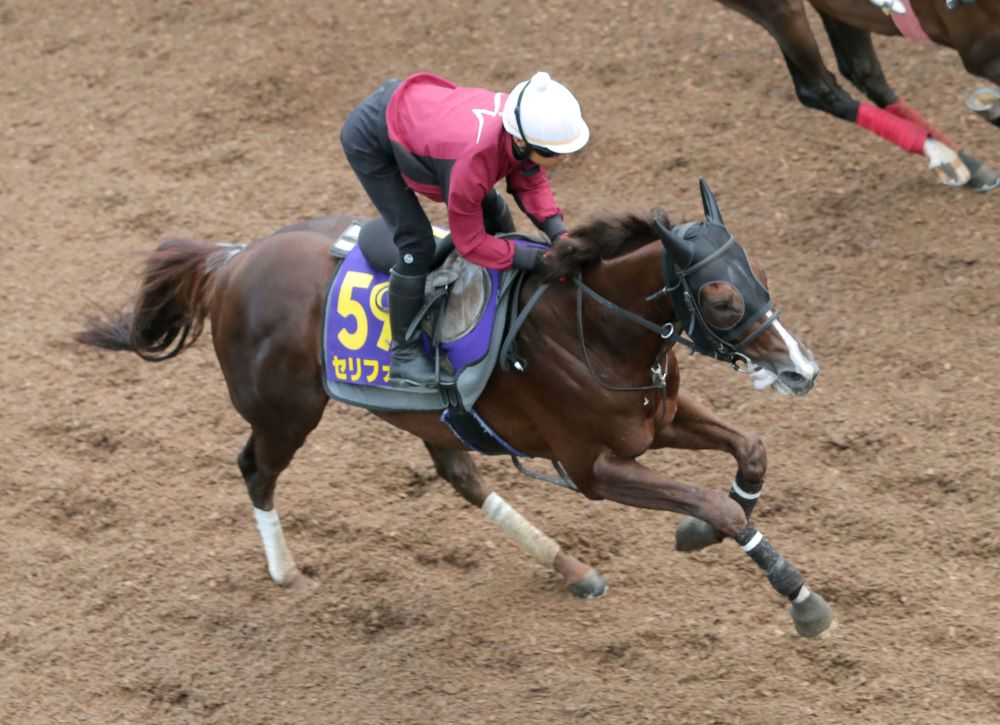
(525, 153)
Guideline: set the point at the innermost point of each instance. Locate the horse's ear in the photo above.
(677, 247)
(712, 212)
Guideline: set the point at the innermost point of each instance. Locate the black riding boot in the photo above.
(409, 365)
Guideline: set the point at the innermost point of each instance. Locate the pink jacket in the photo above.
(451, 146)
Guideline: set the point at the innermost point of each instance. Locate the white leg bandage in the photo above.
(280, 564)
(531, 539)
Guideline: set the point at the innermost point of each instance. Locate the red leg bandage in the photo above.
(904, 110)
(906, 134)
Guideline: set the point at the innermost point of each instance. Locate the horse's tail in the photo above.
(170, 309)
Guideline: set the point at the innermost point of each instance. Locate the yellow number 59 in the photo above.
(347, 306)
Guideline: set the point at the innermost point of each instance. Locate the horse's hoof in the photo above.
(952, 173)
(946, 164)
(299, 582)
(694, 534)
(986, 102)
(983, 177)
(813, 617)
(591, 586)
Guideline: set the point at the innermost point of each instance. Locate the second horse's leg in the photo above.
(816, 87)
(695, 427)
(858, 62)
(458, 468)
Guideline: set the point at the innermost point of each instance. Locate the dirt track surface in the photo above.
(133, 580)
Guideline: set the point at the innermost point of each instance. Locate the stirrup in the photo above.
(399, 379)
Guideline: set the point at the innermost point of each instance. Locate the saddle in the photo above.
(375, 239)
(456, 292)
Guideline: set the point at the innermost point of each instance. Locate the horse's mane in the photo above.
(604, 236)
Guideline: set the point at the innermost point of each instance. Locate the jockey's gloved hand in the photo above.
(531, 259)
(554, 227)
(542, 263)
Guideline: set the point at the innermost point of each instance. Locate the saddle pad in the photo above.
(357, 335)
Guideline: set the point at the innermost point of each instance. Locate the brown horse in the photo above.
(600, 383)
(973, 30)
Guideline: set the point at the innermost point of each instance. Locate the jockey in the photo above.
(453, 144)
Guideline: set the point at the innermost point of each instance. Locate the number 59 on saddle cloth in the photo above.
(468, 311)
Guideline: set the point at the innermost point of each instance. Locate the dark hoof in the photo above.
(591, 586)
(983, 177)
(694, 534)
(813, 617)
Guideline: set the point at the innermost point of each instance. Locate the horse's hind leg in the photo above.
(263, 458)
(458, 468)
(858, 62)
(695, 427)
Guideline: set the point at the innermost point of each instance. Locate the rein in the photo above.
(666, 331)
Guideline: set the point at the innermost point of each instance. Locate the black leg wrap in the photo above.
(745, 493)
(785, 578)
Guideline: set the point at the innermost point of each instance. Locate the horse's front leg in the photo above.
(627, 481)
(695, 427)
(458, 468)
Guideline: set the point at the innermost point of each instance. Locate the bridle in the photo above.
(719, 348)
(704, 339)
(683, 284)
(687, 283)
(692, 257)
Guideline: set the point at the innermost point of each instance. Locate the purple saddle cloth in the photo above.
(357, 332)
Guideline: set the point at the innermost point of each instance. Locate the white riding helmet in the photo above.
(543, 113)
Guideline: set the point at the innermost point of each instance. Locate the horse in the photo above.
(971, 29)
(597, 385)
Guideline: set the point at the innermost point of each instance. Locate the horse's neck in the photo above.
(628, 281)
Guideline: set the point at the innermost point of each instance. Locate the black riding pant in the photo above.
(365, 138)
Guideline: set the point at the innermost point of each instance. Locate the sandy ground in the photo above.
(133, 581)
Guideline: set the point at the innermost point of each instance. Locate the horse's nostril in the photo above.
(790, 377)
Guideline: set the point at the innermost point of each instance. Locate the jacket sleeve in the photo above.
(467, 188)
(534, 197)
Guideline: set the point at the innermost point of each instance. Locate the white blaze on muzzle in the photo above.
(803, 366)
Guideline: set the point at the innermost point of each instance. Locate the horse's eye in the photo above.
(726, 310)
